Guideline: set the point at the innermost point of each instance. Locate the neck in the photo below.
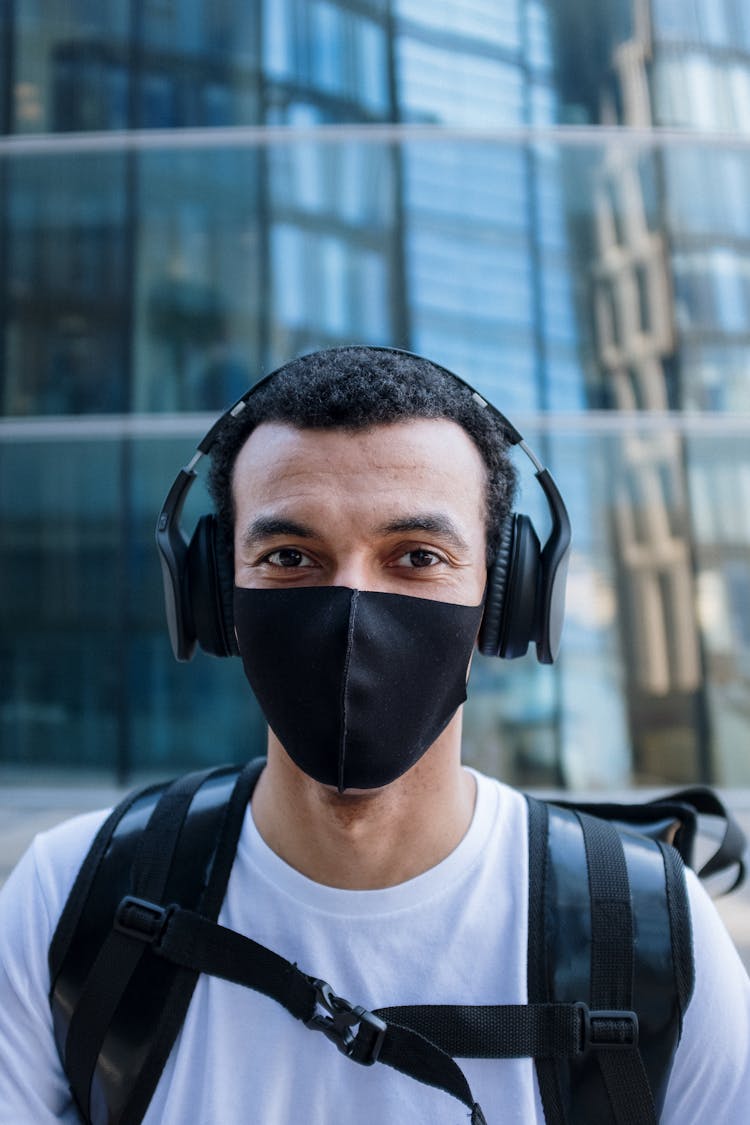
(366, 839)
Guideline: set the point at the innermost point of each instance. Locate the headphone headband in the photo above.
(525, 589)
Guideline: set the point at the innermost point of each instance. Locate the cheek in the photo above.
(475, 573)
(474, 579)
(480, 583)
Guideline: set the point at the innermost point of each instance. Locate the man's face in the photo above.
(397, 508)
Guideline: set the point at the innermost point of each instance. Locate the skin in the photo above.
(397, 508)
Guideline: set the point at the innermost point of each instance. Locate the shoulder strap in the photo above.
(608, 925)
(165, 844)
(674, 818)
(610, 962)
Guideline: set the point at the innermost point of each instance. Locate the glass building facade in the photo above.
(547, 198)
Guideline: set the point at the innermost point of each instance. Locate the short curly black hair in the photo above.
(354, 388)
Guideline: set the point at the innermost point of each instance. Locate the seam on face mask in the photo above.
(345, 685)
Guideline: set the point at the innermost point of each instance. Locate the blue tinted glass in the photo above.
(557, 275)
(440, 84)
(198, 281)
(66, 261)
(480, 21)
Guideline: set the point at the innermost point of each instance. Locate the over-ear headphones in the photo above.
(524, 600)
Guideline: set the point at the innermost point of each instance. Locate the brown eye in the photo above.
(287, 557)
(421, 558)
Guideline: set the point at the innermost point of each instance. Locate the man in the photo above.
(360, 496)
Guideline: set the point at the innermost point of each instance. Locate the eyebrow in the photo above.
(434, 523)
(264, 527)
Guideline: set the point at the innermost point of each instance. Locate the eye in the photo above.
(287, 557)
(419, 558)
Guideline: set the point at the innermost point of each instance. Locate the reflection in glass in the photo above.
(556, 276)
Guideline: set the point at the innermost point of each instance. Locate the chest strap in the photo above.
(418, 1040)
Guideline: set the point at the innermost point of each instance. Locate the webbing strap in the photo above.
(497, 1031)
(680, 928)
(114, 966)
(192, 941)
(732, 845)
(158, 843)
(421, 1041)
(410, 1053)
(173, 1014)
(682, 807)
(537, 951)
(71, 915)
(119, 956)
(612, 959)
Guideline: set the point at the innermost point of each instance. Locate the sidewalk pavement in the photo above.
(27, 810)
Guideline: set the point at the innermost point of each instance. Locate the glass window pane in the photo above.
(442, 85)
(482, 20)
(67, 273)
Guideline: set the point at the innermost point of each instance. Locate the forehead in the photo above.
(418, 459)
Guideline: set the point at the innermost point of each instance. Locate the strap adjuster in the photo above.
(345, 1024)
(610, 1030)
(141, 919)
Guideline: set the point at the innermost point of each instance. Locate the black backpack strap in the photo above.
(119, 956)
(75, 903)
(548, 1074)
(421, 1041)
(732, 844)
(192, 942)
(608, 925)
(612, 967)
(674, 818)
(610, 962)
(163, 845)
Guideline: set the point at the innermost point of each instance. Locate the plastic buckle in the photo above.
(141, 919)
(343, 1023)
(607, 1029)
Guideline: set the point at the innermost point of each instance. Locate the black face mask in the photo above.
(355, 685)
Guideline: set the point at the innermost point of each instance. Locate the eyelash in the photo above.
(304, 559)
(434, 557)
(286, 550)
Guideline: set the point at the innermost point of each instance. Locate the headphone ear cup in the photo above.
(491, 629)
(511, 603)
(210, 574)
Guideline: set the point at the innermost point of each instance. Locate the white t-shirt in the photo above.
(455, 934)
